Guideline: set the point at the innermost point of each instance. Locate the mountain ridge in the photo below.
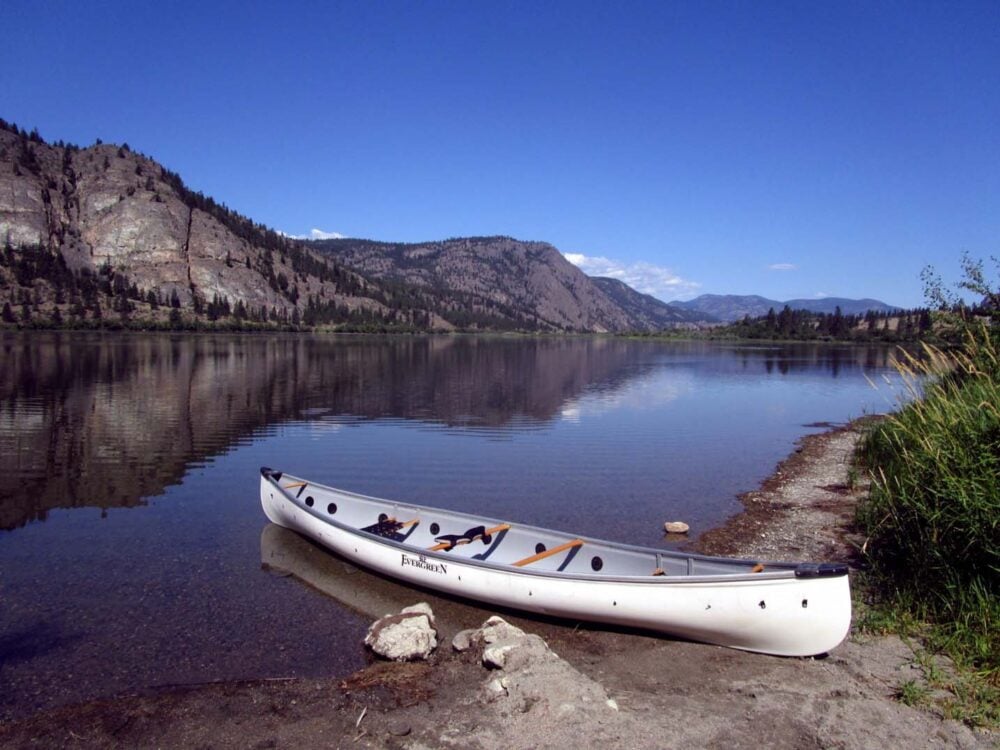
(656, 312)
(529, 279)
(730, 308)
(104, 233)
(100, 234)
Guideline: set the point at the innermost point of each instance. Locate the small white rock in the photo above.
(676, 527)
(462, 640)
(406, 636)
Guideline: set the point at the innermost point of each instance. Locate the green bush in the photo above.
(933, 514)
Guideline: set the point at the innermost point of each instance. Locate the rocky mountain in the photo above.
(500, 276)
(649, 312)
(732, 307)
(104, 234)
(104, 231)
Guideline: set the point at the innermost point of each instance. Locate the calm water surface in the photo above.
(131, 541)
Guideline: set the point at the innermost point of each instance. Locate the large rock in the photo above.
(533, 679)
(407, 636)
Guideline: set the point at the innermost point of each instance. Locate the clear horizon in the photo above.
(779, 149)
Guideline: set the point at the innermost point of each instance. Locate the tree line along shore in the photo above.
(39, 291)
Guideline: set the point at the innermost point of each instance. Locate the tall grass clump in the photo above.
(933, 513)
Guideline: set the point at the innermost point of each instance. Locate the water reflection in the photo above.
(109, 421)
(286, 553)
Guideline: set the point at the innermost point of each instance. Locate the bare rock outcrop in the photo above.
(108, 210)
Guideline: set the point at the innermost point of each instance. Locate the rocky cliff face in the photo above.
(106, 207)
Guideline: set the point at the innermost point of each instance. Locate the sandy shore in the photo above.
(664, 693)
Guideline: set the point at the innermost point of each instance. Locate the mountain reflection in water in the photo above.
(106, 421)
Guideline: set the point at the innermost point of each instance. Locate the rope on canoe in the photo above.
(448, 541)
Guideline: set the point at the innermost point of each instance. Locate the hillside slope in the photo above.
(529, 281)
(647, 311)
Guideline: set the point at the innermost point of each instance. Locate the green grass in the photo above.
(933, 513)
(912, 693)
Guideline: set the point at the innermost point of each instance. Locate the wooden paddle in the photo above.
(548, 553)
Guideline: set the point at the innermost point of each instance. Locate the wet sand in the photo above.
(668, 692)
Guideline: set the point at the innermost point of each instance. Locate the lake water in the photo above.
(130, 549)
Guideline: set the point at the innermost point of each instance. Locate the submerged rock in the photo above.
(408, 636)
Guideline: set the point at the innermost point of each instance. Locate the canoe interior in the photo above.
(502, 544)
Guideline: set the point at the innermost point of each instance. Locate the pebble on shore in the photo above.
(676, 527)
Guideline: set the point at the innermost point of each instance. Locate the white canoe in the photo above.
(788, 609)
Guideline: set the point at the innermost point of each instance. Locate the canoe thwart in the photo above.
(548, 553)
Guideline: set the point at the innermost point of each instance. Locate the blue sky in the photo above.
(787, 149)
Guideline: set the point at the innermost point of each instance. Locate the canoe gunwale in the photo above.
(774, 572)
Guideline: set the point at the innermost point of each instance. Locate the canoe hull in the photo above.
(787, 616)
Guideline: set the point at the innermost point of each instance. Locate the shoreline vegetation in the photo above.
(932, 515)
(931, 518)
(904, 327)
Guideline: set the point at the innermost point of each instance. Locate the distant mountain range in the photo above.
(647, 311)
(104, 234)
(729, 308)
